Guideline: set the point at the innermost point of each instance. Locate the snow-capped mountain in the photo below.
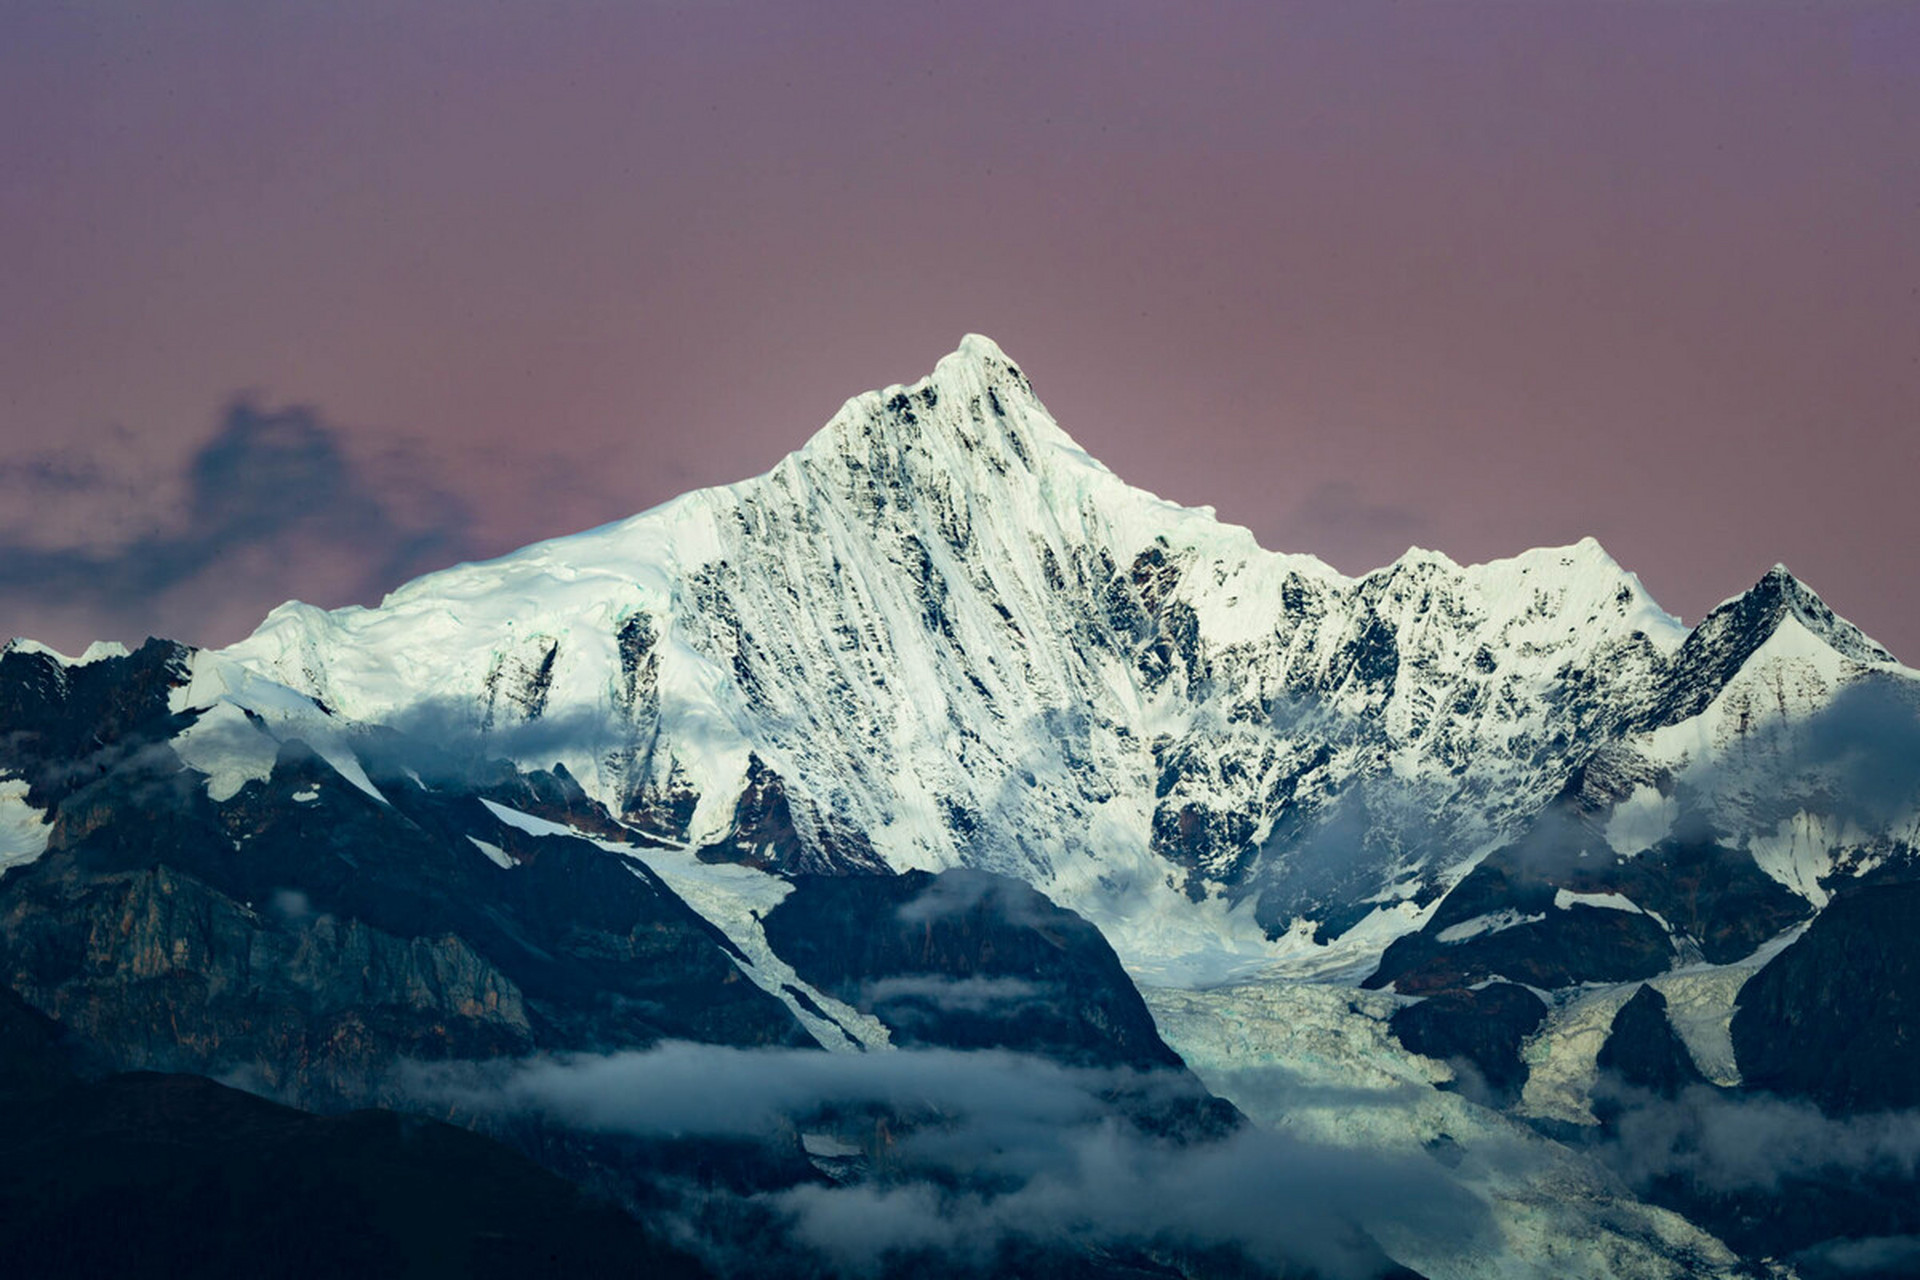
(940, 634)
(1482, 882)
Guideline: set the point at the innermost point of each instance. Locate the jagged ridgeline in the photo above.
(942, 635)
(907, 826)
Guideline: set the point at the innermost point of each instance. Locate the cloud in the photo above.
(1338, 518)
(962, 889)
(1857, 758)
(973, 994)
(1870, 736)
(683, 1089)
(143, 772)
(445, 737)
(62, 471)
(985, 1150)
(1726, 1144)
(1283, 1203)
(1876, 1255)
(273, 505)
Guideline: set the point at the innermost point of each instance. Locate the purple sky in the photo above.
(1476, 276)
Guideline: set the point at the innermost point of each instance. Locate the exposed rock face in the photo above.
(66, 725)
(941, 638)
(1642, 1051)
(309, 933)
(1835, 1018)
(1728, 639)
(1561, 907)
(177, 976)
(1762, 1171)
(763, 834)
(1482, 1028)
(968, 960)
(320, 915)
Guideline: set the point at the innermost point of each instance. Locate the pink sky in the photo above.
(1475, 276)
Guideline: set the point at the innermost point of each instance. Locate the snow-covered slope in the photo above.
(23, 829)
(941, 634)
(1783, 729)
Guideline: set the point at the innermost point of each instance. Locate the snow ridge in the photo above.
(941, 634)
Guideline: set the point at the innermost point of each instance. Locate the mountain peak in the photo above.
(1780, 595)
(1736, 629)
(94, 652)
(1779, 587)
(974, 414)
(979, 348)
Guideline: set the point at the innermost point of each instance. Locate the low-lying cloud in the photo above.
(1869, 735)
(1857, 758)
(682, 1089)
(985, 1148)
(1725, 1144)
(1281, 1202)
(449, 735)
(1872, 1256)
(962, 889)
(972, 994)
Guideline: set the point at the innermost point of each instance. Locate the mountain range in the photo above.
(987, 867)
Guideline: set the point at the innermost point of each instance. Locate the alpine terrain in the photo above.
(937, 856)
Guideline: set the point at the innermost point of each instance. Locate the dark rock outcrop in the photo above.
(1642, 1050)
(765, 834)
(967, 960)
(1482, 1027)
(307, 934)
(1835, 1018)
(164, 1176)
(63, 727)
(1689, 890)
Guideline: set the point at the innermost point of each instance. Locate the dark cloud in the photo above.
(142, 769)
(1340, 520)
(64, 471)
(987, 1147)
(273, 506)
(450, 737)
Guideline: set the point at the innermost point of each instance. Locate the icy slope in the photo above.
(941, 634)
(1319, 1063)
